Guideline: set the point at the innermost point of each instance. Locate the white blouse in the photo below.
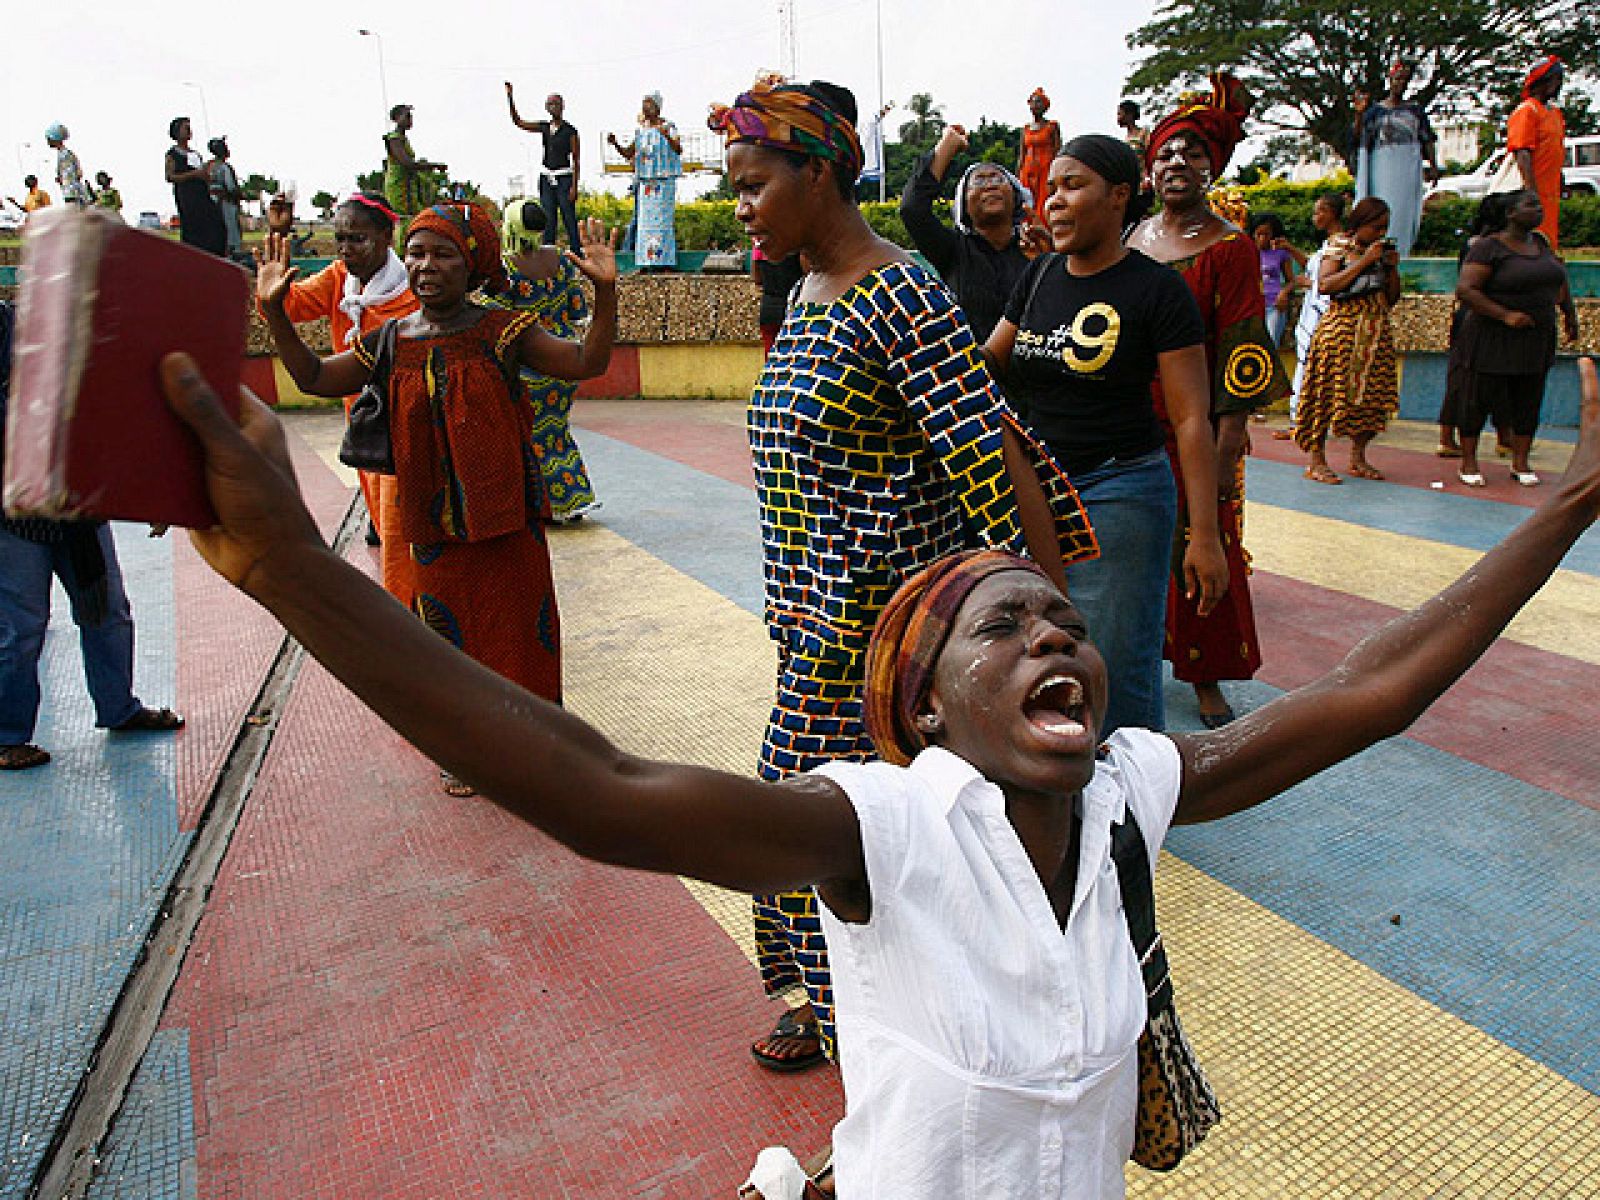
(987, 1054)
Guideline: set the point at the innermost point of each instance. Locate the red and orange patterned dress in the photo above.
(1246, 375)
(463, 547)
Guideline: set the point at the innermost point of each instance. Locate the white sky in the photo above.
(298, 95)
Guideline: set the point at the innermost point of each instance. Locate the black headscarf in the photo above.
(1115, 161)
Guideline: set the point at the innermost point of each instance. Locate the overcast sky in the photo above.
(297, 89)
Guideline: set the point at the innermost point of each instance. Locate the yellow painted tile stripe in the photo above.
(1403, 571)
(1335, 1081)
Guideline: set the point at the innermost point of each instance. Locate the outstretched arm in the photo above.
(1391, 677)
(564, 359)
(341, 375)
(537, 761)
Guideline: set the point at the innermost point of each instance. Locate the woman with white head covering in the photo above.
(655, 153)
(981, 259)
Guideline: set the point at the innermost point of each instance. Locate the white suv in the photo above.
(1580, 174)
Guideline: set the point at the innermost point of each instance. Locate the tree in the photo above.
(258, 188)
(324, 202)
(925, 126)
(1304, 59)
(372, 181)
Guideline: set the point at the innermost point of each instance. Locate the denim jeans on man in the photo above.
(25, 572)
(1133, 506)
(555, 197)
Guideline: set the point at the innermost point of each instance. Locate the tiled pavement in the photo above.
(1392, 974)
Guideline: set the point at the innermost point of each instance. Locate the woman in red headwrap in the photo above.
(1536, 136)
(463, 547)
(1186, 153)
(990, 995)
(1041, 142)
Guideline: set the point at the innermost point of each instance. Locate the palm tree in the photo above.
(927, 122)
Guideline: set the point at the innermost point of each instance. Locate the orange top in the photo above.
(1541, 130)
(319, 296)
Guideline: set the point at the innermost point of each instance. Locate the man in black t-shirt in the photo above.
(558, 174)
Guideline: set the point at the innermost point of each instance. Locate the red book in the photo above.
(88, 431)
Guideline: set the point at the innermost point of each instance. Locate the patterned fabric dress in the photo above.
(1352, 381)
(407, 189)
(876, 434)
(656, 167)
(463, 547)
(559, 304)
(1246, 374)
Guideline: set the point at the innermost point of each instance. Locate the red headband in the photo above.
(376, 206)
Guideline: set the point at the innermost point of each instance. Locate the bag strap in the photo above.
(383, 360)
(1132, 861)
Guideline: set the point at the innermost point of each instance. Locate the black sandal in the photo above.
(791, 1027)
(22, 757)
(150, 720)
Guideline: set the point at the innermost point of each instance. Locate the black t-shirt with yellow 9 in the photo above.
(1086, 354)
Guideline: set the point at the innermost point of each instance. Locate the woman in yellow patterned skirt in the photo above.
(1352, 378)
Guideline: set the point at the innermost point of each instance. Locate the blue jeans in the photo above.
(25, 571)
(1277, 322)
(1133, 506)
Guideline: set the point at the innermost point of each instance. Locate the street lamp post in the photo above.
(383, 78)
(205, 113)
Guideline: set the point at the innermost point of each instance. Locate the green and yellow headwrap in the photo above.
(784, 116)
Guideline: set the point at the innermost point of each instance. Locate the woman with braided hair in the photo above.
(463, 547)
(1186, 152)
(880, 444)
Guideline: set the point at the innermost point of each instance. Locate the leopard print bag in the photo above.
(1177, 1107)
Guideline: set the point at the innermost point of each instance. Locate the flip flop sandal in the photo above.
(1365, 472)
(23, 757)
(456, 787)
(1283, 435)
(151, 720)
(1447, 452)
(1323, 475)
(1526, 478)
(790, 1027)
(1472, 478)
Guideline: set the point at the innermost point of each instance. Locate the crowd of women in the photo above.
(976, 554)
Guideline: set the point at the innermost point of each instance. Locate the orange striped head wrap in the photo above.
(907, 641)
(472, 230)
(787, 116)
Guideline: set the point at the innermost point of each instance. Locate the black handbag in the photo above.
(1177, 1107)
(368, 444)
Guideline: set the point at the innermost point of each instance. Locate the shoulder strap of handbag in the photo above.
(1139, 907)
(383, 358)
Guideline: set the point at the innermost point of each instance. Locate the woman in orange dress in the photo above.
(1041, 142)
(463, 547)
(356, 293)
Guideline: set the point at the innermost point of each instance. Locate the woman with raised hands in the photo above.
(979, 849)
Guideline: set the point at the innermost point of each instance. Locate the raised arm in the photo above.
(936, 240)
(516, 119)
(341, 375)
(532, 758)
(1391, 677)
(565, 359)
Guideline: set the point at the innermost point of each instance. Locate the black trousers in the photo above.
(555, 197)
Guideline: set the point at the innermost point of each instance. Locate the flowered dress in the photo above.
(463, 546)
(656, 167)
(1352, 380)
(559, 304)
(876, 433)
(1246, 375)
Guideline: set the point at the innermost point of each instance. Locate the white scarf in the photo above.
(388, 283)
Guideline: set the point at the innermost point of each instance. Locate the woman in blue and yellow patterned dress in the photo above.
(881, 443)
(541, 280)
